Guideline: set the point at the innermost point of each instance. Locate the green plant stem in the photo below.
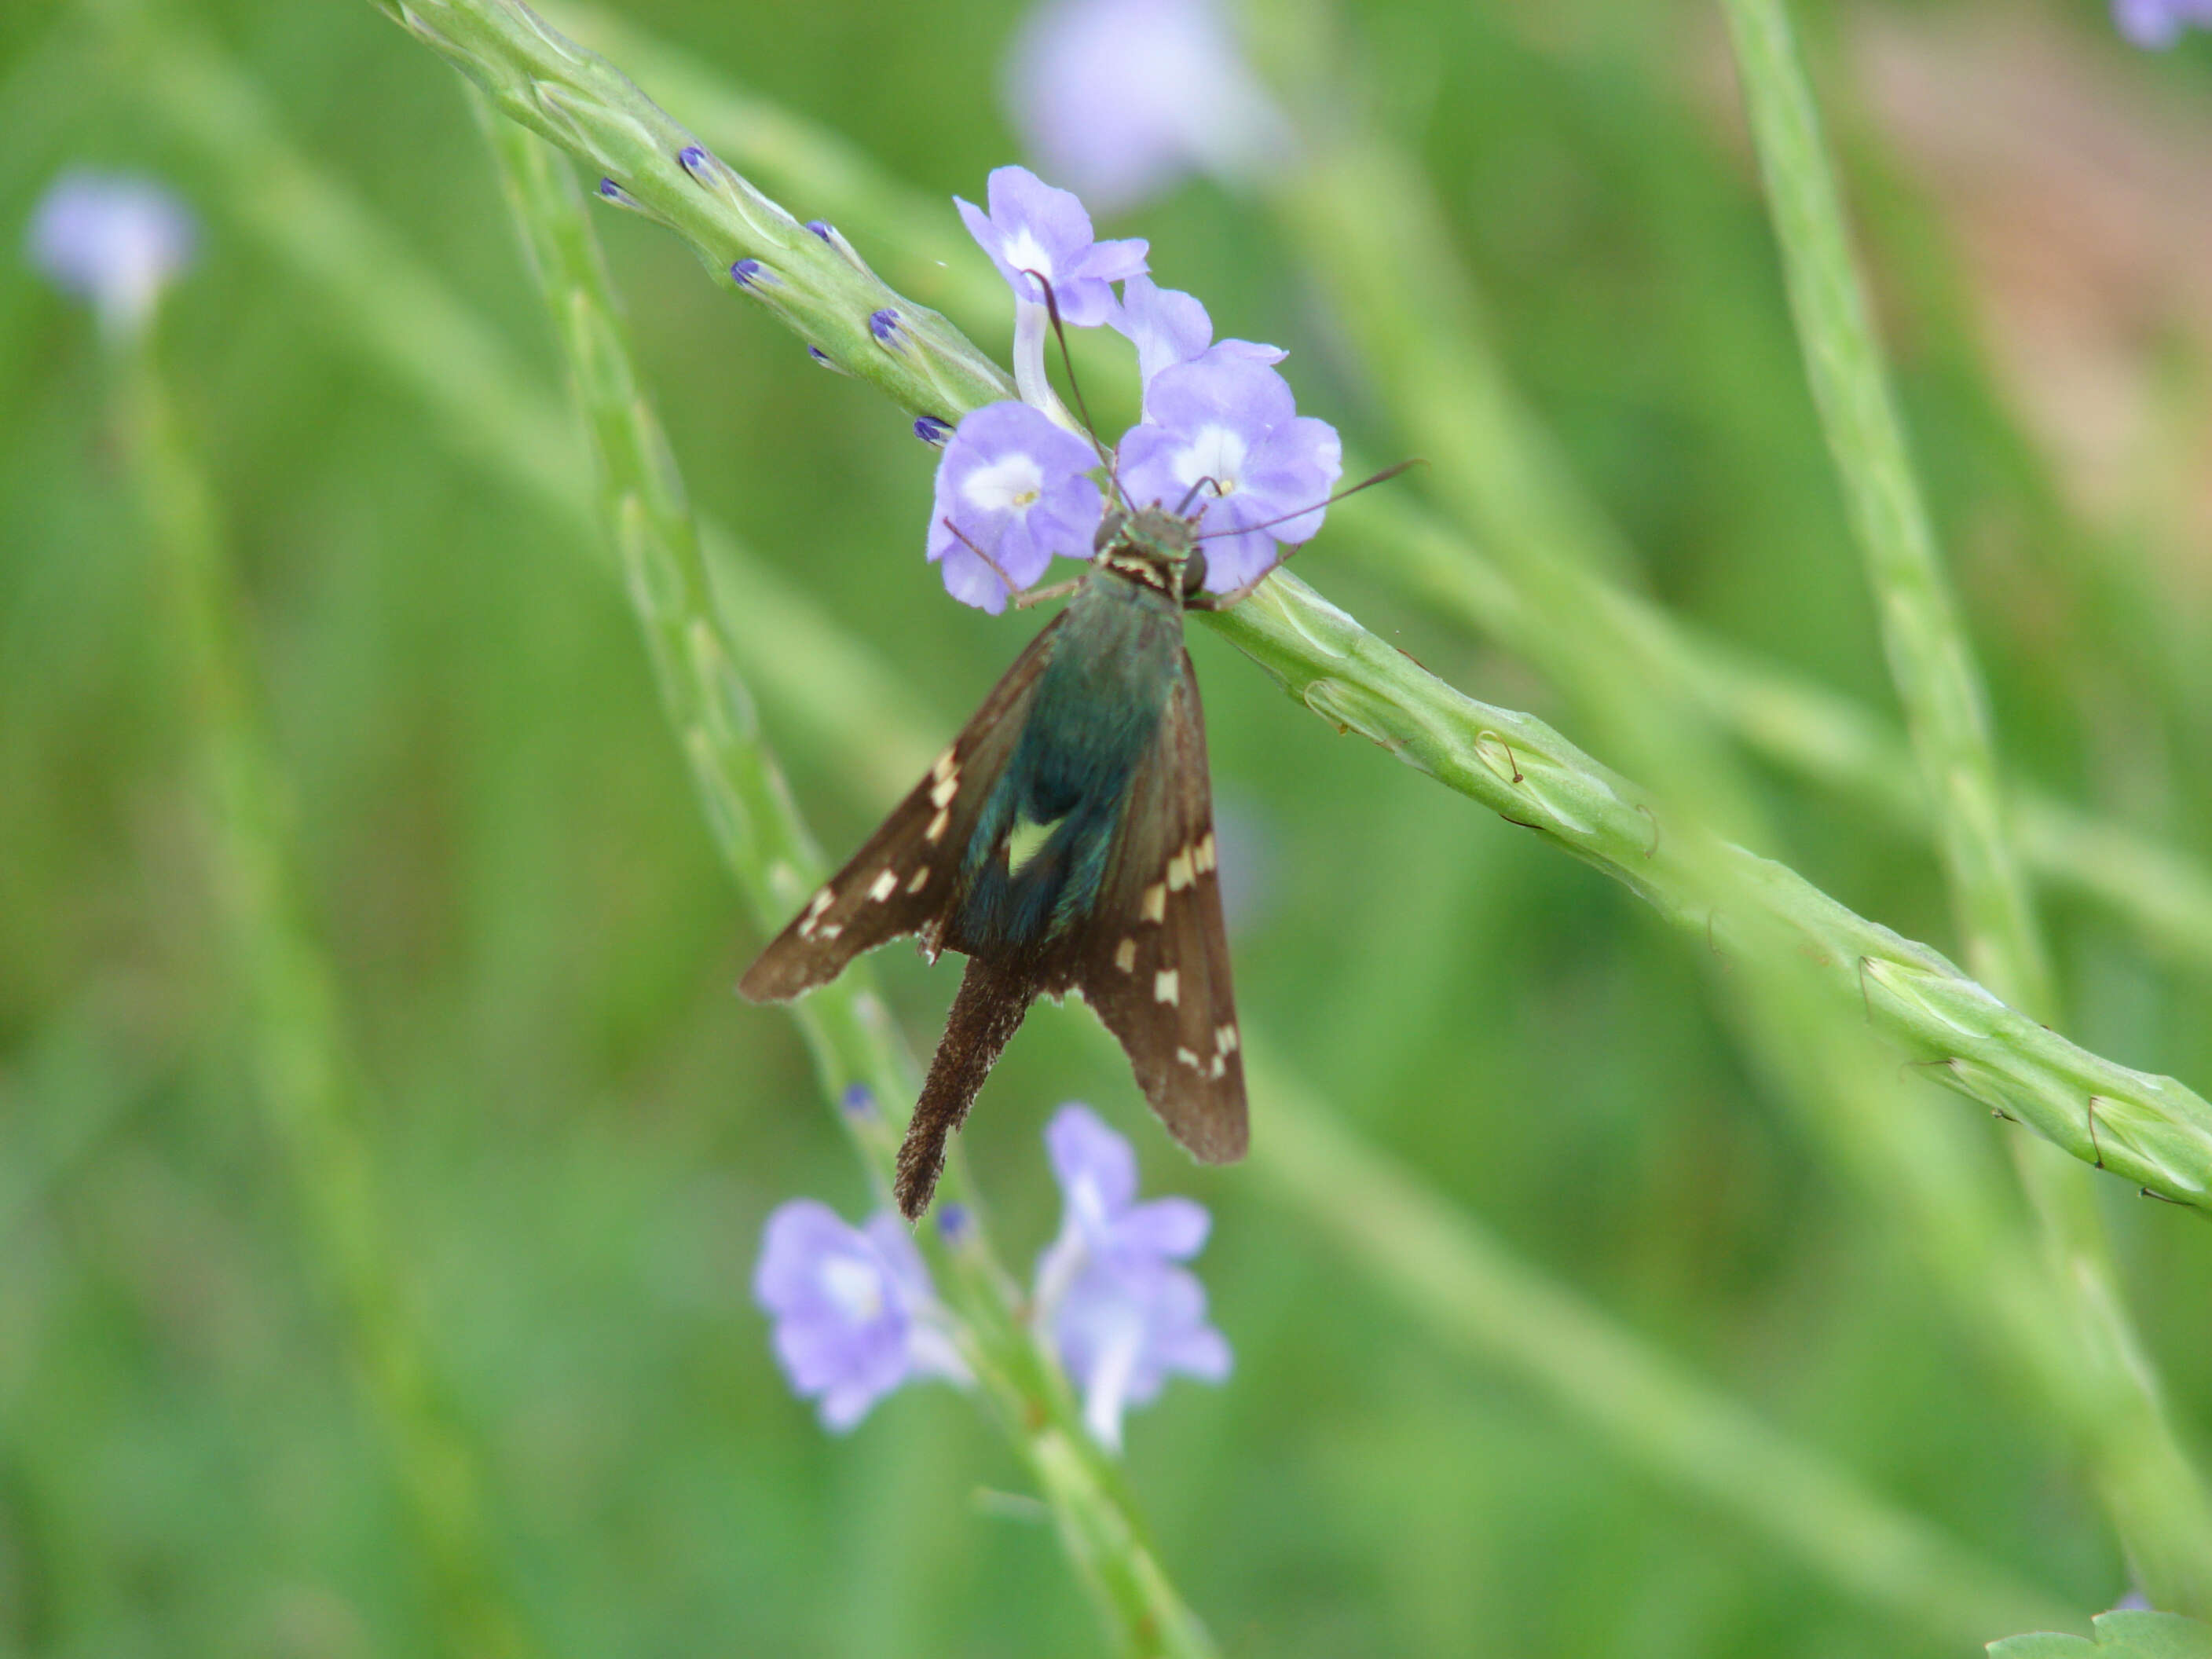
(2149, 1483)
(762, 840)
(816, 285)
(306, 1076)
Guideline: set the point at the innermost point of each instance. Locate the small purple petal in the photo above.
(1033, 228)
(1090, 1158)
(112, 239)
(1122, 1314)
(820, 228)
(885, 325)
(1169, 327)
(857, 1102)
(1011, 486)
(696, 161)
(1123, 97)
(2157, 24)
(1224, 424)
(853, 1310)
(931, 430)
(954, 1224)
(752, 273)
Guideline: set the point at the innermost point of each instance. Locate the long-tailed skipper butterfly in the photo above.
(1064, 843)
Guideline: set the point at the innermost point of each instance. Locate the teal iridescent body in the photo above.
(1115, 659)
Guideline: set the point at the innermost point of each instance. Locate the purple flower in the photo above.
(1169, 327)
(1011, 492)
(2157, 23)
(1225, 417)
(1122, 1314)
(854, 1313)
(1123, 97)
(112, 239)
(1033, 226)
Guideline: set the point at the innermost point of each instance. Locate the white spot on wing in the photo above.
(1179, 876)
(937, 825)
(814, 906)
(1155, 902)
(942, 791)
(1125, 955)
(885, 885)
(1224, 1038)
(920, 880)
(1167, 986)
(1201, 857)
(1189, 1060)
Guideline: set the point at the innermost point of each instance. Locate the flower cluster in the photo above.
(1220, 438)
(855, 1315)
(2159, 23)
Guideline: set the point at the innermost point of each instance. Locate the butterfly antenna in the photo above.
(1383, 477)
(1075, 390)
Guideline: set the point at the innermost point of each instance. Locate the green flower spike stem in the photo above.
(815, 284)
(2157, 1499)
(758, 827)
(306, 1075)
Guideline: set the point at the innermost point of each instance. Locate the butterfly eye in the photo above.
(1110, 531)
(1193, 571)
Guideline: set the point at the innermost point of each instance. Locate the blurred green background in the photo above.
(577, 1129)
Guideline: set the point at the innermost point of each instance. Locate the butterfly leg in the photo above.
(1039, 595)
(1014, 590)
(1204, 601)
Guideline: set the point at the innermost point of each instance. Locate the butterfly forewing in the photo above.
(907, 878)
(1154, 959)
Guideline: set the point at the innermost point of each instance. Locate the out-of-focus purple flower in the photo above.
(1225, 417)
(1010, 488)
(1121, 98)
(1121, 1313)
(854, 1313)
(2157, 24)
(1033, 226)
(1168, 327)
(114, 239)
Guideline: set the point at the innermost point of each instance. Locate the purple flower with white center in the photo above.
(1122, 1316)
(1226, 418)
(1122, 98)
(2157, 24)
(1011, 492)
(853, 1310)
(1168, 327)
(112, 239)
(1031, 227)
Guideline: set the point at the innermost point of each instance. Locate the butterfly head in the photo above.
(1154, 546)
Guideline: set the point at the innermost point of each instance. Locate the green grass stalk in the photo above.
(306, 1078)
(2149, 1481)
(758, 829)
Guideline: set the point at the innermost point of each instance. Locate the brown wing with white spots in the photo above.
(905, 879)
(1154, 962)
